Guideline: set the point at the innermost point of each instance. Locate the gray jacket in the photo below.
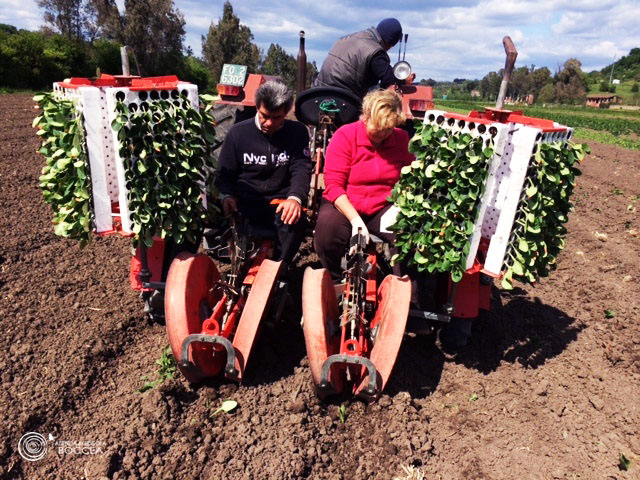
(347, 65)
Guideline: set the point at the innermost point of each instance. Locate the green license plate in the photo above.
(233, 75)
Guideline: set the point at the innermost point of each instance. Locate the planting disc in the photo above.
(394, 297)
(253, 312)
(187, 303)
(321, 325)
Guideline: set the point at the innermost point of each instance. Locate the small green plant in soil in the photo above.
(65, 179)
(342, 413)
(167, 369)
(624, 463)
(609, 313)
(473, 397)
(226, 407)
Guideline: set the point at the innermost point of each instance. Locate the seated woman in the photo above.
(363, 163)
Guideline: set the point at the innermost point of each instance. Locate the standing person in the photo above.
(363, 163)
(359, 61)
(267, 158)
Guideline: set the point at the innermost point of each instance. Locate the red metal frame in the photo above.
(245, 96)
(213, 322)
(360, 346)
(416, 99)
(165, 82)
(492, 115)
(155, 260)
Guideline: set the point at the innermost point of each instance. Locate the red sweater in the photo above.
(353, 166)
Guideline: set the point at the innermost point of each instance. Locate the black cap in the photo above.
(390, 30)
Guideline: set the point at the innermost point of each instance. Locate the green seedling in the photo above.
(539, 232)
(473, 397)
(167, 150)
(226, 407)
(342, 413)
(439, 195)
(609, 313)
(617, 191)
(65, 180)
(624, 463)
(167, 370)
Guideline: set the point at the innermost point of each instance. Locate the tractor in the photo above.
(215, 298)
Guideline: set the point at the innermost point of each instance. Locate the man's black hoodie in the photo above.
(255, 165)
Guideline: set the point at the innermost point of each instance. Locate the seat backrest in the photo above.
(346, 103)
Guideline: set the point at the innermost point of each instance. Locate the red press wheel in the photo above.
(321, 324)
(253, 312)
(388, 325)
(187, 303)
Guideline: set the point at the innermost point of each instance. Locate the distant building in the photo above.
(601, 100)
(475, 93)
(616, 81)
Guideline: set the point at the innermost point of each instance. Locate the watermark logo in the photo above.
(79, 447)
(32, 446)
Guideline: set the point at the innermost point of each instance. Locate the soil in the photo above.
(548, 388)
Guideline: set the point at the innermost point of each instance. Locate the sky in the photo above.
(447, 38)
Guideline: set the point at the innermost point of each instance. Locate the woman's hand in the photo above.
(358, 226)
(344, 206)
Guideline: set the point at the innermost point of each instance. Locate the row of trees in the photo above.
(230, 42)
(84, 36)
(569, 84)
(528, 84)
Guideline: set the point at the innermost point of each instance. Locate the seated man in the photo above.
(359, 61)
(266, 158)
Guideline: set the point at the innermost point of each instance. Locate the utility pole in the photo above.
(301, 78)
(612, 67)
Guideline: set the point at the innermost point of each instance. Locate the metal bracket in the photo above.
(155, 285)
(230, 370)
(423, 315)
(367, 393)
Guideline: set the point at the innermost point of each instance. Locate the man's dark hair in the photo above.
(274, 95)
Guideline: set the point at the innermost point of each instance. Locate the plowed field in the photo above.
(549, 387)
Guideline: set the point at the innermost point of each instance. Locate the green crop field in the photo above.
(610, 126)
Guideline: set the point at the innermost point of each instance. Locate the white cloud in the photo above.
(447, 38)
(21, 14)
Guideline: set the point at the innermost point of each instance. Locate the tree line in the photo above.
(82, 38)
(569, 85)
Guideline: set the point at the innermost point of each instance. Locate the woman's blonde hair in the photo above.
(383, 108)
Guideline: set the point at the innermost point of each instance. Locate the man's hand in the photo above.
(291, 211)
(410, 79)
(229, 206)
